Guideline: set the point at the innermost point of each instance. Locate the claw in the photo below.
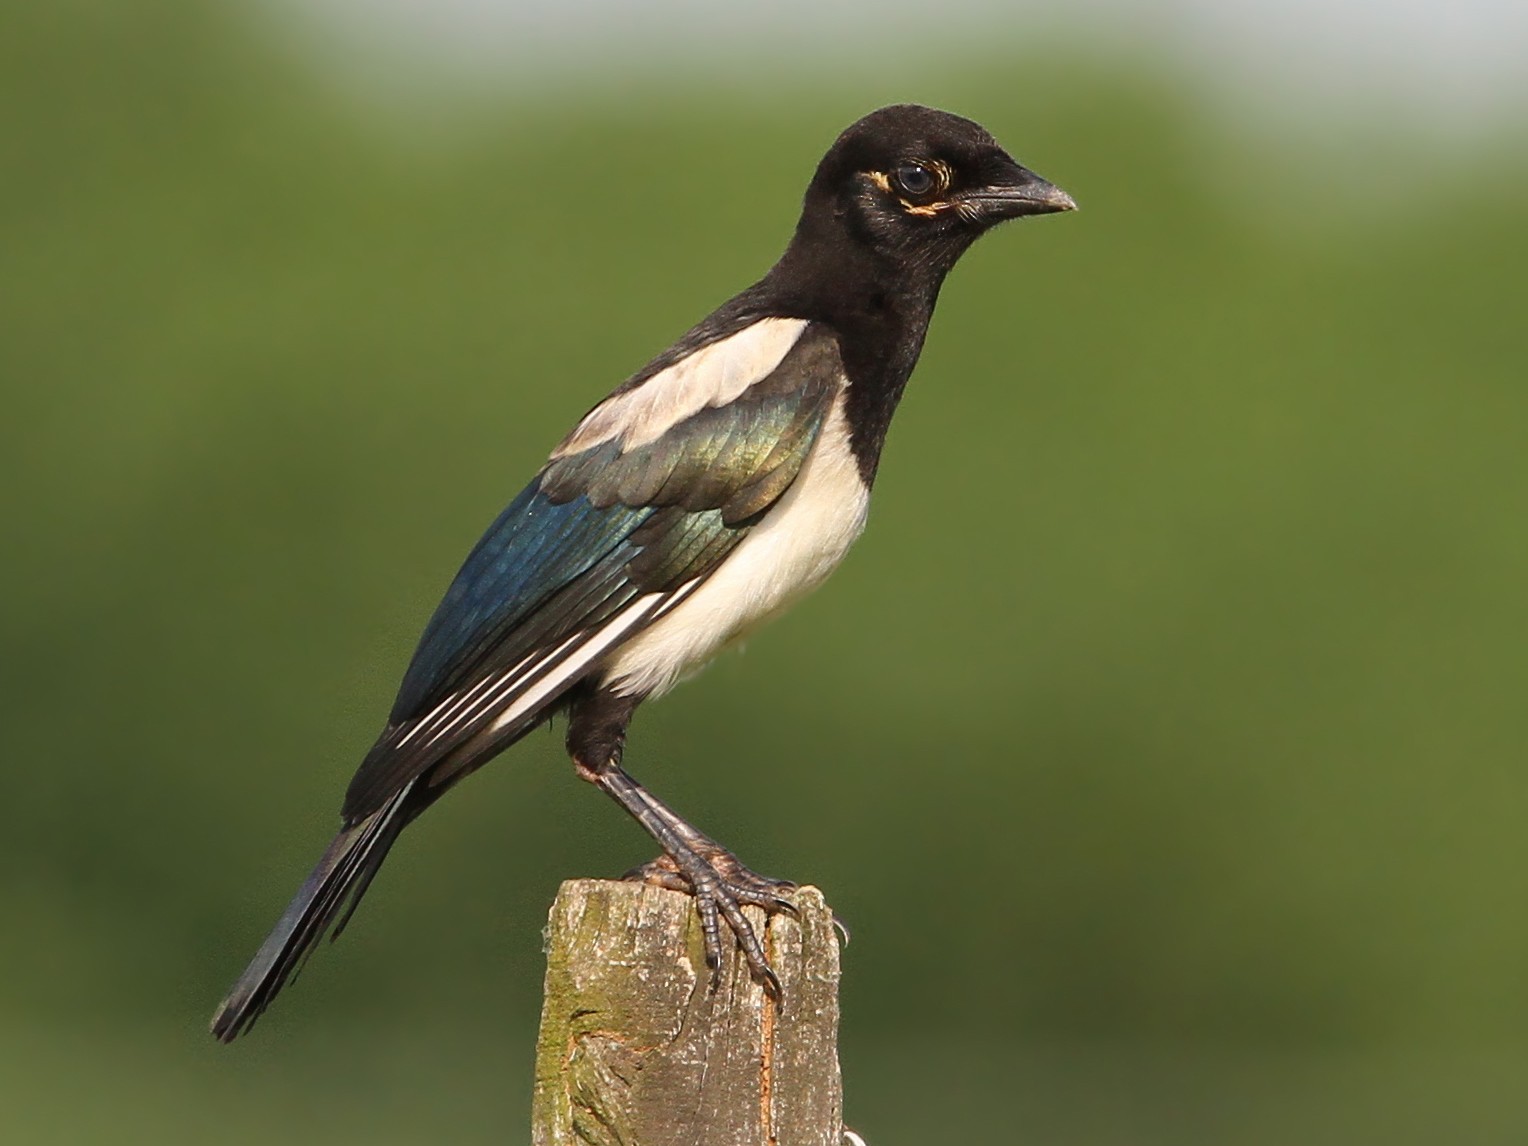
(696, 863)
(721, 887)
(660, 872)
(842, 928)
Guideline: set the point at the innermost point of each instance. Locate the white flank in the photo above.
(713, 376)
(799, 542)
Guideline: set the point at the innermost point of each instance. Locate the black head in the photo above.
(916, 187)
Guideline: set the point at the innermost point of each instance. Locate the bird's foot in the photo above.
(722, 886)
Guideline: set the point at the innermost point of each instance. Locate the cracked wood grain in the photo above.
(636, 1050)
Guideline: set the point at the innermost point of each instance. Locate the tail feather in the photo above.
(336, 884)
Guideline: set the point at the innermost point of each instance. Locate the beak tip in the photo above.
(1026, 194)
(1055, 199)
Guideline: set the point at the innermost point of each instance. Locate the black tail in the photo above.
(336, 885)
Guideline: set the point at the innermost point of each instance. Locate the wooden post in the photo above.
(637, 1050)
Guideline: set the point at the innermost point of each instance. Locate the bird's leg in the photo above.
(761, 890)
(720, 884)
(692, 861)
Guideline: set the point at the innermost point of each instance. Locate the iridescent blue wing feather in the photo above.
(605, 540)
(534, 549)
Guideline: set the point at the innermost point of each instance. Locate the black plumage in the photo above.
(719, 482)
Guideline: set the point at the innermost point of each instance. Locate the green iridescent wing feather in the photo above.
(594, 532)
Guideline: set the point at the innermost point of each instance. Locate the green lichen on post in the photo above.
(636, 1049)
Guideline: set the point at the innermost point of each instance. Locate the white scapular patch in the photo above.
(799, 542)
(713, 376)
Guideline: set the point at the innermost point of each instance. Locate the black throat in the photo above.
(878, 303)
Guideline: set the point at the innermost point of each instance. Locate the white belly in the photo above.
(788, 554)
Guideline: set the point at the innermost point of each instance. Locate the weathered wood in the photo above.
(636, 1050)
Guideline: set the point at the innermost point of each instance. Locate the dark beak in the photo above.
(1012, 192)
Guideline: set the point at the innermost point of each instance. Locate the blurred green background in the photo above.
(1162, 740)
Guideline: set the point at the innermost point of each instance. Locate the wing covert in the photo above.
(590, 552)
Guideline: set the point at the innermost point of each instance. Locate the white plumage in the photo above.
(712, 376)
(799, 542)
(659, 638)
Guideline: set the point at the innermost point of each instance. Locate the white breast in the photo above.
(786, 555)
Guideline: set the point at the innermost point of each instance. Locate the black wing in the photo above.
(608, 538)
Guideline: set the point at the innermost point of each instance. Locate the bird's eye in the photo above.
(915, 179)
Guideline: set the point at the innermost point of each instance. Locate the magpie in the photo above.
(716, 485)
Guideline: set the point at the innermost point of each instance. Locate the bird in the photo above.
(707, 492)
